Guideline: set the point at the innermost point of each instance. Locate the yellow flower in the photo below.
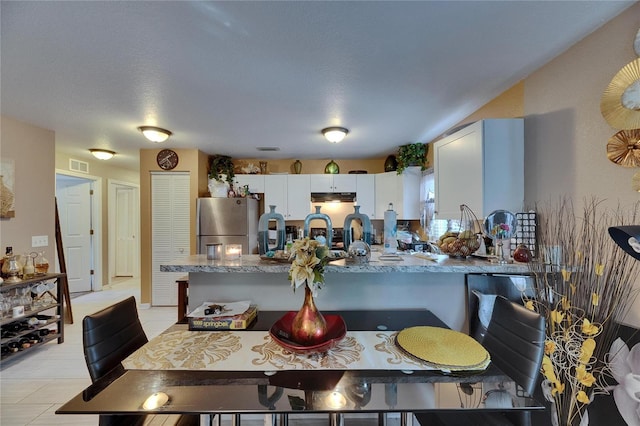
(595, 299)
(529, 305)
(588, 328)
(573, 288)
(557, 316)
(301, 270)
(599, 269)
(586, 350)
(557, 388)
(584, 377)
(578, 255)
(582, 397)
(549, 347)
(565, 275)
(565, 303)
(547, 370)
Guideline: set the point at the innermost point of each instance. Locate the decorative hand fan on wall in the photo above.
(623, 148)
(620, 103)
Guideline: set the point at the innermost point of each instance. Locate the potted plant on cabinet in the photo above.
(221, 175)
(412, 154)
(221, 168)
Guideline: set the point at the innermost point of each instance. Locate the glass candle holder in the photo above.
(233, 251)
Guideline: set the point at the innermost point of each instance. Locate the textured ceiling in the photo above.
(228, 77)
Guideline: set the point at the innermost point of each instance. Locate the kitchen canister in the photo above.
(390, 230)
(214, 251)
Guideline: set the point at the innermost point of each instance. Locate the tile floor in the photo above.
(32, 387)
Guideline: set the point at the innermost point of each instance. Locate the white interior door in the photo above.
(74, 210)
(126, 229)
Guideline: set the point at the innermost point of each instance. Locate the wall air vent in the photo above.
(268, 148)
(78, 166)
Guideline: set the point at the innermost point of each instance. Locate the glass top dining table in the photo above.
(269, 391)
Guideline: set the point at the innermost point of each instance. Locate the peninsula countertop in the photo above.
(409, 263)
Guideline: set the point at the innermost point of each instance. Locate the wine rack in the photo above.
(41, 323)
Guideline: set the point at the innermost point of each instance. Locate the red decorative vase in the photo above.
(522, 254)
(309, 326)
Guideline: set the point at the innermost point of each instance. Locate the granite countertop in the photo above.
(409, 263)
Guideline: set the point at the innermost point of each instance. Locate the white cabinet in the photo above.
(275, 193)
(401, 190)
(298, 197)
(366, 194)
(289, 193)
(333, 183)
(255, 182)
(482, 166)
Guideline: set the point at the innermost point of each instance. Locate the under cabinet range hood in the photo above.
(335, 197)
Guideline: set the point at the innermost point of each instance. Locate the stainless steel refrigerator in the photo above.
(227, 221)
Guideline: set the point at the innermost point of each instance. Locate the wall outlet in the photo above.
(39, 241)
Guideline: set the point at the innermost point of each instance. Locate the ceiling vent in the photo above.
(268, 148)
(78, 166)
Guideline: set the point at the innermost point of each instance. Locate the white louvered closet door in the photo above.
(170, 234)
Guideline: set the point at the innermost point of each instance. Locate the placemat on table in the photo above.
(444, 348)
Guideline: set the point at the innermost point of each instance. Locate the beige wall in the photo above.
(32, 150)
(371, 165)
(565, 133)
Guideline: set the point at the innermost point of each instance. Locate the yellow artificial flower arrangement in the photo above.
(308, 260)
(582, 297)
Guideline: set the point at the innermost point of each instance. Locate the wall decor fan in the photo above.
(620, 103)
(623, 148)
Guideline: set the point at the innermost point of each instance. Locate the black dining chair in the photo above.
(108, 337)
(515, 340)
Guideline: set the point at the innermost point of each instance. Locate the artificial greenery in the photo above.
(412, 154)
(221, 165)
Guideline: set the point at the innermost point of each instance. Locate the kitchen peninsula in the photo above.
(413, 282)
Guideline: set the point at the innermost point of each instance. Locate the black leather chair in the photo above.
(108, 337)
(515, 339)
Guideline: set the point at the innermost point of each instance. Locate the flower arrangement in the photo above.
(309, 258)
(501, 231)
(582, 291)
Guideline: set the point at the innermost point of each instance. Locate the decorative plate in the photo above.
(444, 348)
(281, 331)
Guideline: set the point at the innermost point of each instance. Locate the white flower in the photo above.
(625, 368)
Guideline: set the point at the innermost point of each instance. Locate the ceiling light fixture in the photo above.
(102, 154)
(155, 134)
(335, 134)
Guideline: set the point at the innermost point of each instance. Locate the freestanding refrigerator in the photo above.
(227, 221)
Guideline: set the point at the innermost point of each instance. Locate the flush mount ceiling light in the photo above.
(155, 134)
(102, 154)
(335, 134)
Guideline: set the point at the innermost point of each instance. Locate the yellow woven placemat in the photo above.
(447, 349)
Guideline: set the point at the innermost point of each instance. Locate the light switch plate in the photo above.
(39, 241)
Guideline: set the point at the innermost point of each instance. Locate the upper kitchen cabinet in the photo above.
(255, 182)
(482, 166)
(366, 194)
(290, 195)
(401, 190)
(298, 197)
(333, 183)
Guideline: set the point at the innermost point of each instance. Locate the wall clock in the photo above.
(167, 159)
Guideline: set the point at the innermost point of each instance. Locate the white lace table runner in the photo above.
(256, 351)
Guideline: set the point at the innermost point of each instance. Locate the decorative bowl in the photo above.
(281, 334)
